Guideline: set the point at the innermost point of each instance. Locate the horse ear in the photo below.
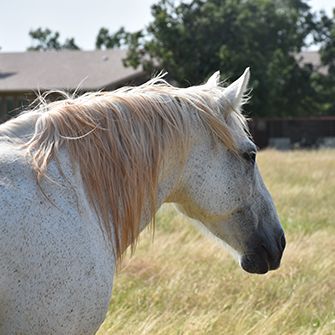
(214, 80)
(234, 92)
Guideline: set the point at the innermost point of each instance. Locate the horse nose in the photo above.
(275, 253)
(282, 242)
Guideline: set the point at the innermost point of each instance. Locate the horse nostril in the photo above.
(283, 242)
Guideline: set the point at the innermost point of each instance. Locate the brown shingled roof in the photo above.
(313, 58)
(93, 70)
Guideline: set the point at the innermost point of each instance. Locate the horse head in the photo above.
(223, 190)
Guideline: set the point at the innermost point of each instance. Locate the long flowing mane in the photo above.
(118, 140)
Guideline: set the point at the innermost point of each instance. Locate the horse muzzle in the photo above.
(264, 257)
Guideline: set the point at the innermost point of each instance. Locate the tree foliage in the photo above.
(121, 39)
(193, 39)
(325, 84)
(45, 39)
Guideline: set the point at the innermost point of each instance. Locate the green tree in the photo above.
(192, 40)
(325, 83)
(105, 40)
(45, 39)
(121, 39)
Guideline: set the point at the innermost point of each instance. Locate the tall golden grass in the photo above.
(183, 283)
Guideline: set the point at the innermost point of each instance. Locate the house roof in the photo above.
(313, 58)
(90, 70)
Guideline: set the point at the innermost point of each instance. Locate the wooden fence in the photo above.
(287, 133)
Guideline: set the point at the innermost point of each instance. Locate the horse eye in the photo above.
(249, 156)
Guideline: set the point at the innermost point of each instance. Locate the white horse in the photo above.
(80, 178)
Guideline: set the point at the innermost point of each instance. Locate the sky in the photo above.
(80, 19)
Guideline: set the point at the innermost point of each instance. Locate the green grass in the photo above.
(183, 283)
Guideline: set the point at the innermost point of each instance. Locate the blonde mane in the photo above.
(118, 140)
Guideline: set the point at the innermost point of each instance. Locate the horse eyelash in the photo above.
(250, 156)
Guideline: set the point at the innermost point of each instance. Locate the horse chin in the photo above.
(255, 264)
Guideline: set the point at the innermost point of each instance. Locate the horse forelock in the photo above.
(118, 140)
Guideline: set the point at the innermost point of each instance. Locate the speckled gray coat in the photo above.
(56, 268)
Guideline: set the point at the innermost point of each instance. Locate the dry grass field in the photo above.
(183, 283)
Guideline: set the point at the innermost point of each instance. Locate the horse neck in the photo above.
(175, 168)
(21, 127)
(168, 183)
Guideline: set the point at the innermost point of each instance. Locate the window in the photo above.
(2, 107)
(9, 104)
(22, 102)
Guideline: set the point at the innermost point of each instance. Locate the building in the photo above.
(25, 74)
(313, 59)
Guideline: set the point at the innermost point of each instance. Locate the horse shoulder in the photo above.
(56, 270)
